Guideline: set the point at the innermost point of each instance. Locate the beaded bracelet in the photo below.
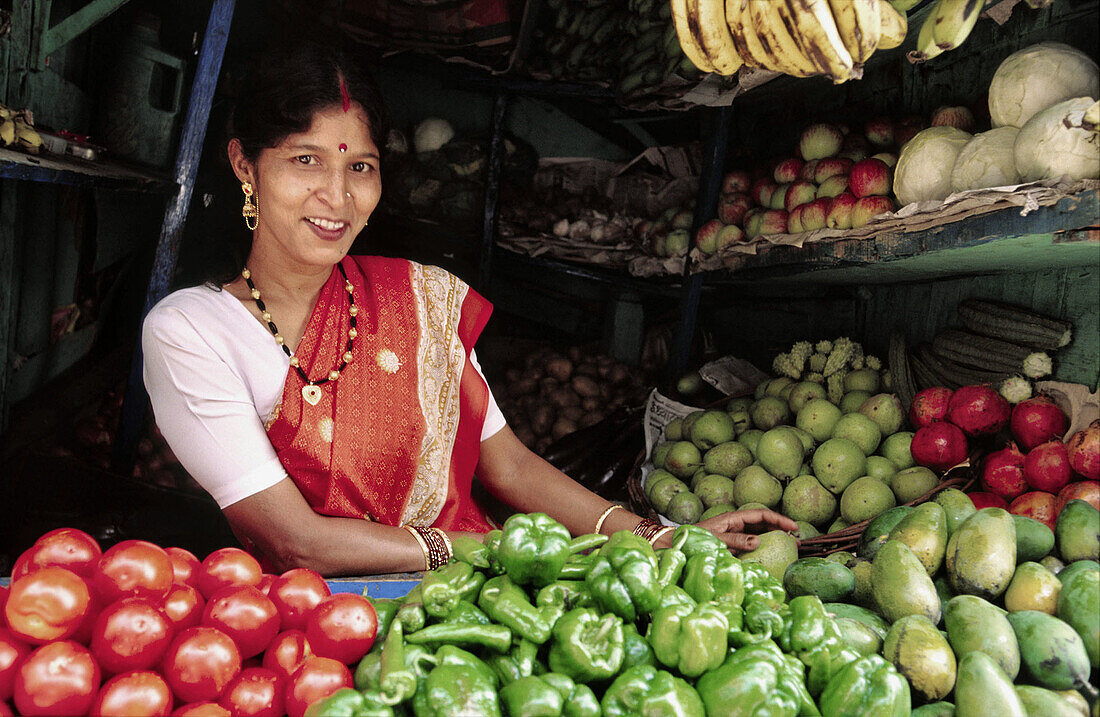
(435, 544)
(647, 529)
(603, 516)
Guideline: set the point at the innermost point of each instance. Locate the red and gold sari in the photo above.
(397, 438)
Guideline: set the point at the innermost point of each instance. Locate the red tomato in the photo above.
(285, 653)
(185, 566)
(257, 692)
(201, 709)
(5, 709)
(315, 679)
(295, 593)
(265, 583)
(245, 614)
(65, 548)
(134, 568)
(342, 627)
(3, 602)
(184, 605)
(135, 694)
(131, 634)
(200, 664)
(48, 604)
(13, 651)
(59, 678)
(228, 567)
(83, 633)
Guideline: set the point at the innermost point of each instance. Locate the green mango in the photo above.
(1078, 531)
(981, 554)
(922, 655)
(1079, 566)
(1039, 701)
(1079, 606)
(943, 590)
(878, 530)
(957, 507)
(976, 625)
(936, 709)
(824, 578)
(863, 595)
(1033, 587)
(1051, 650)
(982, 688)
(1052, 564)
(1034, 540)
(900, 584)
(854, 612)
(925, 532)
(858, 636)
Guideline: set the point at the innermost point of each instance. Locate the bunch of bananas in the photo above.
(946, 27)
(15, 129)
(802, 38)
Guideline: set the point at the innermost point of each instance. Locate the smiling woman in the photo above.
(333, 405)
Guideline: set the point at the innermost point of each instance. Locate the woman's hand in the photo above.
(738, 529)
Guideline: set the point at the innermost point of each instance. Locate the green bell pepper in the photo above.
(466, 613)
(764, 605)
(587, 646)
(506, 603)
(689, 640)
(636, 651)
(493, 637)
(813, 637)
(346, 702)
(411, 614)
(867, 686)
(550, 695)
(384, 610)
(670, 565)
(520, 661)
(645, 690)
(566, 594)
(580, 701)
(442, 588)
(456, 690)
(714, 577)
(757, 680)
(533, 548)
(675, 595)
(451, 655)
(623, 578)
(693, 540)
(368, 672)
(470, 551)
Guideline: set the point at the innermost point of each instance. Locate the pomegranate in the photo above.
(1086, 490)
(1003, 473)
(929, 406)
(981, 499)
(978, 410)
(1036, 421)
(1037, 504)
(1084, 451)
(938, 446)
(1046, 467)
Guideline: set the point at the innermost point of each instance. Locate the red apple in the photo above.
(729, 234)
(840, 211)
(779, 197)
(832, 167)
(959, 117)
(814, 214)
(787, 170)
(809, 170)
(833, 186)
(732, 207)
(879, 132)
(677, 242)
(683, 219)
(799, 193)
(905, 128)
(736, 181)
(888, 159)
(706, 236)
(767, 191)
(870, 177)
(753, 218)
(794, 220)
(982, 499)
(868, 207)
(657, 243)
(774, 222)
(1038, 505)
(758, 187)
(819, 141)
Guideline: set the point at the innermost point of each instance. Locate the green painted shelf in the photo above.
(1064, 235)
(55, 169)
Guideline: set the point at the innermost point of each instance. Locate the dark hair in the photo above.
(289, 84)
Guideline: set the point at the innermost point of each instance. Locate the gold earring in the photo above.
(249, 211)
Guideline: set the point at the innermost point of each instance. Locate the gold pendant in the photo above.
(312, 394)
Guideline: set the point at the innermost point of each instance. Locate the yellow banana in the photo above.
(687, 40)
(707, 20)
(7, 132)
(5, 113)
(771, 32)
(859, 23)
(27, 137)
(812, 24)
(954, 21)
(926, 41)
(739, 22)
(894, 26)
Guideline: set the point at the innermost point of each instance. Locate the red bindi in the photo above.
(343, 147)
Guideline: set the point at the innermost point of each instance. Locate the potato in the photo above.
(591, 403)
(564, 396)
(548, 384)
(575, 353)
(573, 413)
(523, 386)
(585, 386)
(542, 418)
(560, 368)
(513, 375)
(590, 370)
(562, 427)
(590, 419)
(619, 373)
(604, 370)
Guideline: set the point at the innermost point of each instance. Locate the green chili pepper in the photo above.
(346, 702)
(368, 671)
(670, 564)
(693, 540)
(623, 578)
(396, 680)
(645, 690)
(587, 646)
(550, 695)
(714, 577)
(471, 551)
(465, 612)
(456, 690)
(521, 661)
(533, 548)
(577, 566)
(444, 587)
(867, 686)
(506, 603)
(691, 640)
(494, 637)
(566, 594)
(384, 609)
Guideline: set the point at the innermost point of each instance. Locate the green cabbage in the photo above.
(1054, 144)
(1036, 77)
(987, 160)
(923, 171)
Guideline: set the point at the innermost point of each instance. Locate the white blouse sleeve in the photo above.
(205, 410)
(494, 419)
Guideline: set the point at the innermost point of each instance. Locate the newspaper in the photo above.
(660, 410)
(732, 376)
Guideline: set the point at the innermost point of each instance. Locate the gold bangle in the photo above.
(646, 528)
(603, 516)
(663, 531)
(446, 542)
(420, 541)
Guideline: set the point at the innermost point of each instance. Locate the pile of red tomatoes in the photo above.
(143, 630)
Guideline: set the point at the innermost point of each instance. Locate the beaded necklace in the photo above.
(311, 392)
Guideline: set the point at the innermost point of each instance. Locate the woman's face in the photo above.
(315, 190)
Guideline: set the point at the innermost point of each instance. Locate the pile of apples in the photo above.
(1034, 474)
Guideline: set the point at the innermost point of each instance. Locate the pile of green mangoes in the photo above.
(984, 612)
(825, 465)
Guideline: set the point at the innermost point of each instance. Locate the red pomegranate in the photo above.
(929, 406)
(1084, 451)
(1037, 504)
(938, 446)
(1003, 472)
(981, 499)
(1046, 467)
(1086, 490)
(978, 410)
(1036, 421)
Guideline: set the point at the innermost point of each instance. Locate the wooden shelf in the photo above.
(1063, 235)
(619, 278)
(55, 169)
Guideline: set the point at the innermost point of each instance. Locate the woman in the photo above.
(333, 405)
